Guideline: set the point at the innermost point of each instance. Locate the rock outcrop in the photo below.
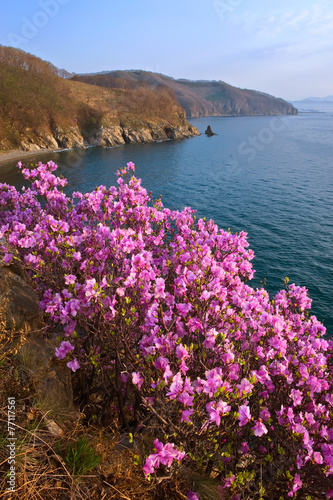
(209, 131)
(19, 302)
(22, 319)
(107, 136)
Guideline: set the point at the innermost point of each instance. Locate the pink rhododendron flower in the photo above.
(176, 386)
(244, 415)
(245, 386)
(216, 410)
(296, 486)
(185, 399)
(181, 352)
(210, 339)
(318, 458)
(296, 396)
(165, 455)
(137, 379)
(228, 482)
(159, 288)
(244, 448)
(73, 365)
(264, 415)
(183, 309)
(185, 415)
(8, 258)
(161, 363)
(70, 279)
(259, 429)
(64, 348)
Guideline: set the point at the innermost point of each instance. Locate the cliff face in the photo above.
(198, 98)
(105, 136)
(39, 109)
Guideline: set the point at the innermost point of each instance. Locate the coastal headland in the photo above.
(44, 109)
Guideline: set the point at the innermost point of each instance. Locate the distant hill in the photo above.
(319, 99)
(320, 104)
(198, 98)
(40, 109)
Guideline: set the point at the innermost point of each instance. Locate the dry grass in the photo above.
(43, 473)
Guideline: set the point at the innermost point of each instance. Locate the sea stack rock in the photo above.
(209, 131)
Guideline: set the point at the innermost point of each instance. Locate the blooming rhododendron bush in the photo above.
(152, 310)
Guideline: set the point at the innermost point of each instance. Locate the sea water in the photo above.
(271, 177)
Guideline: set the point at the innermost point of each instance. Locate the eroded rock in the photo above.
(22, 318)
(51, 379)
(18, 300)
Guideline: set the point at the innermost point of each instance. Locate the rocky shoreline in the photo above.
(104, 136)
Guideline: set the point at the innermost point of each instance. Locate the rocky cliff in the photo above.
(105, 136)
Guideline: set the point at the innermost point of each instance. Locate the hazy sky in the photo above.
(281, 47)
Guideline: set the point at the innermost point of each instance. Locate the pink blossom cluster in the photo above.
(154, 307)
(165, 455)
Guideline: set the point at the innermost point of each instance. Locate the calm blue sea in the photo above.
(269, 176)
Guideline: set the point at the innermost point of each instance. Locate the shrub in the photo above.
(152, 309)
(81, 458)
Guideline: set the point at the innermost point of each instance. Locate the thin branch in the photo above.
(159, 416)
(120, 493)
